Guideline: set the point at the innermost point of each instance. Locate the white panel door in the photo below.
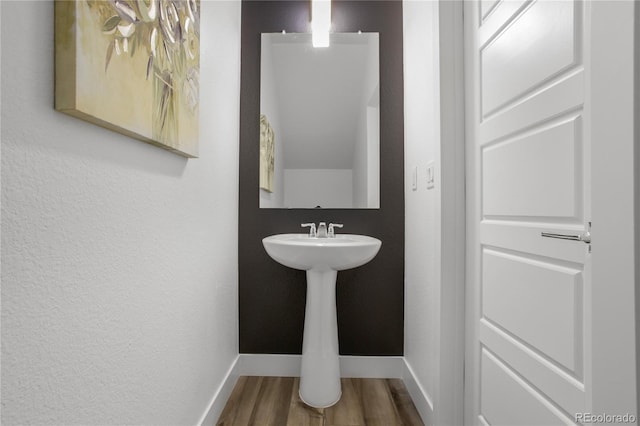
(535, 314)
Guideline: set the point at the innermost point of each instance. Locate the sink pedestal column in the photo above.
(320, 374)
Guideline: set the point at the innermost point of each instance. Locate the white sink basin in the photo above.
(322, 258)
(299, 251)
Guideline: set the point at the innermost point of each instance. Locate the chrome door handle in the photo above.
(584, 237)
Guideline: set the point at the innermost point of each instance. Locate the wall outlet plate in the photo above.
(414, 178)
(431, 175)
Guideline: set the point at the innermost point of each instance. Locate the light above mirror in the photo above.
(320, 22)
(321, 107)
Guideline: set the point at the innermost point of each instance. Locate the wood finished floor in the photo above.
(274, 401)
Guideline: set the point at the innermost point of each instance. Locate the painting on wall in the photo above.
(267, 160)
(131, 66)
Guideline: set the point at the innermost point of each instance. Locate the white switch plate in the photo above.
(431, 175)
(414, 178)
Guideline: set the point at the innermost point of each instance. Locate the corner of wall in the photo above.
(221, 395)
(637, 189)
(452, 112)
(434, 83)
(419, 396)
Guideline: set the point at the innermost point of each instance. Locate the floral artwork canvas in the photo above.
(131, 66)
(267, 156)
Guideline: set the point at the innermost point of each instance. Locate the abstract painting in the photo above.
(267, 160)
(131, 66)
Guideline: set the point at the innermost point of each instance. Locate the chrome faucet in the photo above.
(332, 233)
(323, 231)
(312, 230)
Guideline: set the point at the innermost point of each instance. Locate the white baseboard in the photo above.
(390, 367)
(350, 366)
(419, 396)
(221, 395)
(269, 365)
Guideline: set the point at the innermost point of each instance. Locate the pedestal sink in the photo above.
(322, 258)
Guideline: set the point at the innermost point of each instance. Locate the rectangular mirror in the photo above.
(319, 121)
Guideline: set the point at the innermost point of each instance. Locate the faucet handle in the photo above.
(312, 231)
(331, 230)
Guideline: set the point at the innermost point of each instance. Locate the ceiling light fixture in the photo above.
(320, 22)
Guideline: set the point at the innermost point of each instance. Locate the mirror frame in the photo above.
(271, 296)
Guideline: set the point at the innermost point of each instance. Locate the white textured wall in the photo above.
(435, 219)
(119, 259)
(422, 207)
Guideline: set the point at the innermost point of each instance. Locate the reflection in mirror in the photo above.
(319, 122)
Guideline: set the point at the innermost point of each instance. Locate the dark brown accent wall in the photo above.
(370, 299)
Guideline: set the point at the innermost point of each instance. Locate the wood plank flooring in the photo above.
(274, 401)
